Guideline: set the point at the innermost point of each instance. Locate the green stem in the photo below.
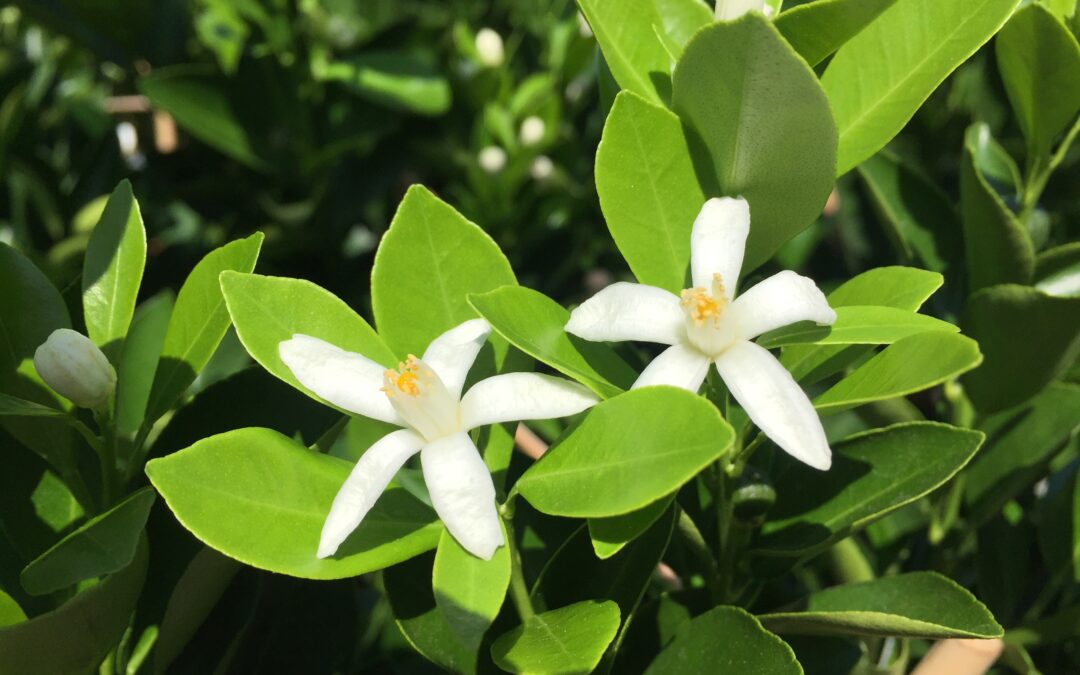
(107, 459)
(695, 542)
(519, 592)
(848, 563)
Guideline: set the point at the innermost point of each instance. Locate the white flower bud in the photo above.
(75, 368)
(726, 10)
(541, 168)
(492, 159)
(532, 130)
(489, 47)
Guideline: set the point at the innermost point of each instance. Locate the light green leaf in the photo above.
(759, 126)
(397, 79)
(610, 535)
(76, 636)
(745, 647)
(567, 640)
(679, 20)
(1028, 338)
(469, 591)
(915, 605)
(1057, 270)
(633, 52)
(628, 452)
(909, 365)
(429, 261)
(269, 310)
(648, 190)
(534, 323)
(102, 545)
(873, 473)
(198, 323)
(858, 325)
(10, 612)
(817, 29)
(261, 498)
(113, 270)
(139, 360)
(1039, 60)
(879, 78)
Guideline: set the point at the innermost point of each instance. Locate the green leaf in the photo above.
(632, 50)
(567, 640)
(759, 126)
(1057, 270)
(10, 406)
(648, 190)
(999, 249)
(269, 310)
(610, 535)
(10, 612)
(879, 78)
(725, 641)
(679, 20)
(817, 29)
(139, 360)
(113, 270)
(909, 365)
(916, 605)
(399, 80)
(102, 545)
(469, 591)
(873, 473)
(261, 498)
(534, 323)
(76, 636)
(628, 452)
(858, 325)
(1039, 60)
(1028, 338)
(429, 261)
(198, 323)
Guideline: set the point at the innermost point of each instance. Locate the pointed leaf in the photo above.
(610, 535)
(866, 325)
(139, 360)
(817, 29)
(631, 48)
(567, 640)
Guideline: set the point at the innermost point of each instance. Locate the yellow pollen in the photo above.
(702, 306)
(405, 379)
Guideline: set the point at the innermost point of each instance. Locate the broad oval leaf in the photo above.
(759, 126)
(915, 605)
(261, 498)
(628, 452)
(534, 323)
(878, 80)
(858, 325)
(725, 641)
(817, 29)
(566, 640)
(873, 473)
(632, 50)
(430, 259)
(469, 591)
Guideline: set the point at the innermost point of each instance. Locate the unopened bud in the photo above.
(75, 368)
(532, 130)
(541, 168)
(492, 159)
(727, 10)
(489, 47)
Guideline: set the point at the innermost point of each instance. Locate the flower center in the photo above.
(706, 328)
(422, 400)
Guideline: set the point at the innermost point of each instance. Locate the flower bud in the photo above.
(492, 159)
(75, 368)
(541, 168)
(489, 47)
(727, 10)
(532, 130)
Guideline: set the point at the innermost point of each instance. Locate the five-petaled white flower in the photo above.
(424, 396)
(709, 325)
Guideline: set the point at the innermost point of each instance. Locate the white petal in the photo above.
(451, 355)
(718, 241)
(727, 10)
(626, 311)
(372, 473)
(349, 381)
(775, 403)
(782, 299)
(514, 397)
(462, 493)
(679, 366)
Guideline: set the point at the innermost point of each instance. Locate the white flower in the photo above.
(75, 368)
(709, 325)
(733, 9)
(489, 47)
(541, 168)
(532, 130)
(424, 397)
(492, 159)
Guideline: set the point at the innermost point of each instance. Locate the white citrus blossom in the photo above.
(733, 9)
(709, 325)
(424, 396)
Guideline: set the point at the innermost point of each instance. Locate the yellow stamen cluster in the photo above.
(406, 379)
(701, 305)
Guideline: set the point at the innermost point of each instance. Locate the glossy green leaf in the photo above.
(469, 591)
(1039, 60)
(102, 545)
(632, 50)
(76, 636)
(725, 641)
(1057, 271)
(817, 29)
(648, 190)
(400, 80)
(198, 323)
(858, 325)
(10, 612)
(873, 473)
(139, 360)
(628, 452)
(269, 310)
(113, 270)
(534, 323)
(429, 261)
(915, 605)
(759, 126)
(261, 498)
(610, 535)
(878, 80)
(566, 640)
(679, 20)
(1028, 338)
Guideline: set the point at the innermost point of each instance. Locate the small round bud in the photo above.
(489, 47)
(532, 130)
(753, 498)
(75, 368)
(492, 159)
(541, 168)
